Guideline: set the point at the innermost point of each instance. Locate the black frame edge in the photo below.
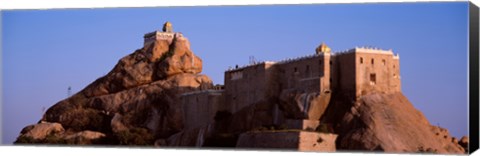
(473, 78)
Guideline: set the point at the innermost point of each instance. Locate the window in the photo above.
(393, 66)
(361, 60)
(373, 79)
(307, 71)
(384, 62)
(295, 69)
(330, 62)
(372, 61)
(320, 62)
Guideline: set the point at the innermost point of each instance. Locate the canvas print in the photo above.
(378, 77)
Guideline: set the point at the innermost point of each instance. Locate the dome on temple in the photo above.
(323, 48)
(167, 27)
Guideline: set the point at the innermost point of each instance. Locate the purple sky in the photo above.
(45, 51)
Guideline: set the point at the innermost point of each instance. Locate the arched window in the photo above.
(361, 60)
(384, 62)
(372, 61)
(373, 79)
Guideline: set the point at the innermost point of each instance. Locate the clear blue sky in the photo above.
(45, 51)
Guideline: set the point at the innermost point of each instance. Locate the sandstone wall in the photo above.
(199, 108)
(306, 74)
(344, 73)
(377, 73)
(246, 86)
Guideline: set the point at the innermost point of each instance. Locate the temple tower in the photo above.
(166, 34)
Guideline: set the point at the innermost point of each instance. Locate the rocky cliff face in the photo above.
(388, 122)
(137, 101)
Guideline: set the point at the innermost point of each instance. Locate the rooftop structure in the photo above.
(166, 34)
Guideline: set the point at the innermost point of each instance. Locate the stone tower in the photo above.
(167, 27)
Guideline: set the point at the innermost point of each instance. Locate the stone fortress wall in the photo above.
(356, 71)
(200, 107)
(351, 71)
(239, 92)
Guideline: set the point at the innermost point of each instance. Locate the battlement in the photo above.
(366, 49)
(230, 69)
(363, 49)
(372, 50)
(284, 61)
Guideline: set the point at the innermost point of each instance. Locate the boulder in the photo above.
(181, 60)
(464, 143)
(41, 130)
(84, 137)
(117, 123)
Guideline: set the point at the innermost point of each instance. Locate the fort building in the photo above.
(355, 72)
(301, 89)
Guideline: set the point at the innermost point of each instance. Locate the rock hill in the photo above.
(388, 122)
(138, 103)
(133, 104)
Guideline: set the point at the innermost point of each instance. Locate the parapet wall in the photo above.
(158, 35)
